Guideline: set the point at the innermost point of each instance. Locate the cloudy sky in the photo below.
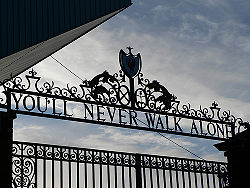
(198, 49)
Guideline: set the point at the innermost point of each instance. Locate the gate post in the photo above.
(138, 170)
(6, 138)
(237, 151)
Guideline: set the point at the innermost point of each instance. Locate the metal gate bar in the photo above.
(51, 166)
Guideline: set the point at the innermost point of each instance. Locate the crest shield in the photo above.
(130, 64)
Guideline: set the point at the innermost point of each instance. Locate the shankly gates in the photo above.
(125, 99)
(109, 100)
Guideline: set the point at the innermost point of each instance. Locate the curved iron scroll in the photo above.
(114, 90)
(32, 159)
(127, 89)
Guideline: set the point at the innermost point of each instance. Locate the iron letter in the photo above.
(167, 125)
(99, 113)
(122, 116)
(133, 117)
(208, 129)
(194, 128)
(90, 112)
(54, 108)
(65, 109)
(25, 104)
(17, 100)
(111, 115)
(220, 130)
(159, 122)
(39, 104)
(177, 125)
(150, 119)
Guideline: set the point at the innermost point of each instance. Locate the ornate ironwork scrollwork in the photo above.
(23, 173)
(121, 90)
(26, 157)
(154, 96)
(112, 89)
(23, 166)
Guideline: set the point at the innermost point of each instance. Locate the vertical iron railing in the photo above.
(50, 166)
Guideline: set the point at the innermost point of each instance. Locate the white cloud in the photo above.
(200, 56)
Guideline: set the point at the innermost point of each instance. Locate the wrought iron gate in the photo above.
(112, 100)
(41, 166)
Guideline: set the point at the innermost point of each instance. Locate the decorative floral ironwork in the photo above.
(23, 172)
(26, 157)
(154, 96)
(61, 153)
(223, 176)
(120, 91)
(114, 90)
(187, 165)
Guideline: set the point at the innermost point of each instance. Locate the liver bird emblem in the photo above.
(130, 64)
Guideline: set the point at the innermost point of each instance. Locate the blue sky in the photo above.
(198, 49)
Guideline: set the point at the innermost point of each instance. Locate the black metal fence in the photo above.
(51, 166)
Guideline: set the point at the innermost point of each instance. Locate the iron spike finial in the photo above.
(130, 49)
(215, 104)
(32, 72)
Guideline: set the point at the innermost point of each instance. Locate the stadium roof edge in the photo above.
(22, 59)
